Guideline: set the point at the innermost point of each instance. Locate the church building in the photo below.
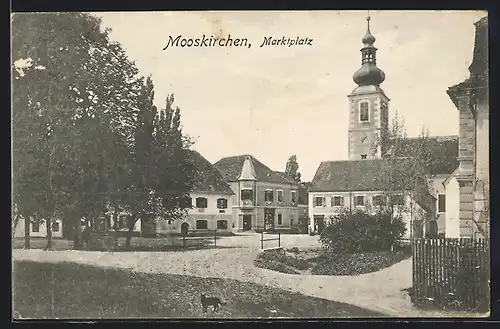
(359, 182)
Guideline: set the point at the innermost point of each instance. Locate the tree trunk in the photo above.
(115, 226)
(17, 217)
(48, 222)
(77, 233)
(27, 240)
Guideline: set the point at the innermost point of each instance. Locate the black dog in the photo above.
(215, 302)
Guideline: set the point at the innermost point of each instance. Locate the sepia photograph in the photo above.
(250, 165)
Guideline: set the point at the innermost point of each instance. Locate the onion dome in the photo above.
(369, 73)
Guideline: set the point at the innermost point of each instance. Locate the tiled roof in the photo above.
(286, 177)
(349, 175)
(207, 178)
(444, 150)
(230, 168)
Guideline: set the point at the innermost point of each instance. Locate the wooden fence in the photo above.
(452, 273)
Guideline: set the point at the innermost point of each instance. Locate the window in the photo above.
(201, 224)
(201, 202)
(364, 115)
(35, 227)
(397, 200)
(122, 222)
(377, 200)
(360, 200)
(337, 201)
(363, 156)
(222, 224)
(221, 203)
(280, 219)
(280, 196)
(441, 203)
(294, 197)
(269, 196)
(246, 195)
(318, 201)
(55, 227)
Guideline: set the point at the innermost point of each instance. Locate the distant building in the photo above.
(355, 183)
(471, 99)
(265, 200)
(211, 200)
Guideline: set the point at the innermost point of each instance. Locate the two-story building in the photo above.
(211, 205)
(265, 200)
(358, 184)
(471, 99)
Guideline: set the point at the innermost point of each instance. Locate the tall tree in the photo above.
(292, 168)
(408, 171)
(82, 89)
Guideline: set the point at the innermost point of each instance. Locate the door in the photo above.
(247, 222)
(184, 229)
(319, 223)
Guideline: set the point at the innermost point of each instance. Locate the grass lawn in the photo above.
(67, 290)
(312, 261)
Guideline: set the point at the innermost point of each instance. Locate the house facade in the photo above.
(471, 99)
(357, 185)
(452, 200)
(39, 229)
(265, 200)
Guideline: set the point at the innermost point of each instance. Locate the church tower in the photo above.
(369, 106)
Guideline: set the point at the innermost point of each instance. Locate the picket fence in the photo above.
(452, 273)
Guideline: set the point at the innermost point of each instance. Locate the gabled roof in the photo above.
(231, 168)
(450, 177)
(287, 177)
(444, 150)
(349, 175)
(207, 178)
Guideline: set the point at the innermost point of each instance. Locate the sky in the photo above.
(275, 101)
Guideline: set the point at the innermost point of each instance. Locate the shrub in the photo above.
(361, 232)
(295, 250)
(356, 264)
(281, 262)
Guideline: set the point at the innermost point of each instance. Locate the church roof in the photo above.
(207, 178)
(443, 149)
(231, 169)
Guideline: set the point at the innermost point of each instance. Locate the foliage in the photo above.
(358, 263)
(84, 127)
(292, 168)
(280, 261)
(358, 231)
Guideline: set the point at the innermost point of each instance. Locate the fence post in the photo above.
(184, 241)
(279, 240)
(215, 238)
(261, 240)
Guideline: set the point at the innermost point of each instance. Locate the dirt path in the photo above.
(380, 291)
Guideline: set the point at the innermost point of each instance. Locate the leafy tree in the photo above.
(82, 89)
(408, 171)
(292, 168)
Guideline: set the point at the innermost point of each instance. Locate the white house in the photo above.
(452, 200)
(211, 199)
(356, 184)
(39, 229)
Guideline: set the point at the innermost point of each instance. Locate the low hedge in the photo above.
(356, 264)
(281, 262)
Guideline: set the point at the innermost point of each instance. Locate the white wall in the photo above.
(327, 210)
(42, 232)
(211, 204)
(452, 209)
